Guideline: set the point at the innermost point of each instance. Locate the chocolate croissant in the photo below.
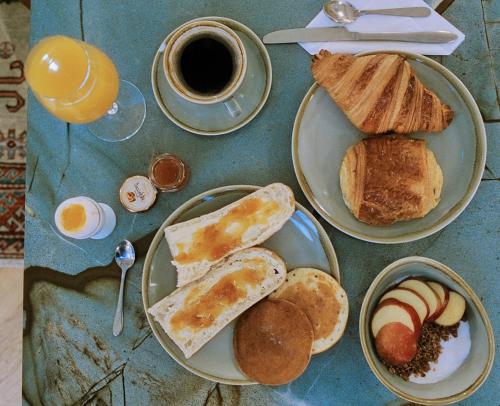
(384, 180)
(380, 93)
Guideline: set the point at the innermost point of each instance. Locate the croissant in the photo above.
(380, 93)
(384, 180)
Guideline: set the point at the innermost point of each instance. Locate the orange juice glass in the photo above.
(79, 83)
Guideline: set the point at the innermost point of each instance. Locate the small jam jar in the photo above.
(168, 173)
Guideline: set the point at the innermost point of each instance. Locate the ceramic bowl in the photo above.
(476, 367)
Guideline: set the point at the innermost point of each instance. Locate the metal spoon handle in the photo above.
(404, 11)
(118, 322)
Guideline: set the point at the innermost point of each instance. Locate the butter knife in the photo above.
(327, 34)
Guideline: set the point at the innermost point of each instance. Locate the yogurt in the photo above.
(453, 354)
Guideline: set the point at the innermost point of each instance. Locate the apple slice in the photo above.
(427, 294)
(396, 344)
(410, 298)
(454, 310)
(444, 294)
(392, 310)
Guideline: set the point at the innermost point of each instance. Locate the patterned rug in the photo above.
(14, 30)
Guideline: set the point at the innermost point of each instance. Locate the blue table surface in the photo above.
(70, 355)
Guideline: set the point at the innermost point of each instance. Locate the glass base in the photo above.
(125, 117)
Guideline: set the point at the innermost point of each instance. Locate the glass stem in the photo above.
(114, 109)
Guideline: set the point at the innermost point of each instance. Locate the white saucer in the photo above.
(213, 119)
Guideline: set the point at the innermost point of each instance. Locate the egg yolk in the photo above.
(73, 217)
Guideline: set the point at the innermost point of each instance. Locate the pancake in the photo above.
(272, 342)
(323, 300)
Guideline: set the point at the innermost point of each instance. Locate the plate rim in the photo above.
(192, 202)
(255, 112)
(455, 211)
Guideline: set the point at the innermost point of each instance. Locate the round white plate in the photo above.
(302, 242)
(322, 134)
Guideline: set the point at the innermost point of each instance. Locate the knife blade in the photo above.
(327, 34)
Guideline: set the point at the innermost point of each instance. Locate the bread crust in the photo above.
(389, 179)
(380, 93)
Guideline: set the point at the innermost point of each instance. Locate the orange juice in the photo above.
(73, 80)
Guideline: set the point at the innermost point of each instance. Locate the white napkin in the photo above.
(379, 23)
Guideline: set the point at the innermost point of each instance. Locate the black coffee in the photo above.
(206, 65)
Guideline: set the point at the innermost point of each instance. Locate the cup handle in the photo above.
(233, 107)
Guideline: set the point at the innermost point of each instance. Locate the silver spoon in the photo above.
(125, 258)
(343, 12)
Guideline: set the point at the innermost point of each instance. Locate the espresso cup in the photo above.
(205, 63)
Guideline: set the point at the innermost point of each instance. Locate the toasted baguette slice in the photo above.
(195, 313)
(323, 300)
(199, 243)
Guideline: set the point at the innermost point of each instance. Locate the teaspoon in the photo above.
(343, 12)
(125, 258)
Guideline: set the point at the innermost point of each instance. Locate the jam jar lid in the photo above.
(137, 193)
